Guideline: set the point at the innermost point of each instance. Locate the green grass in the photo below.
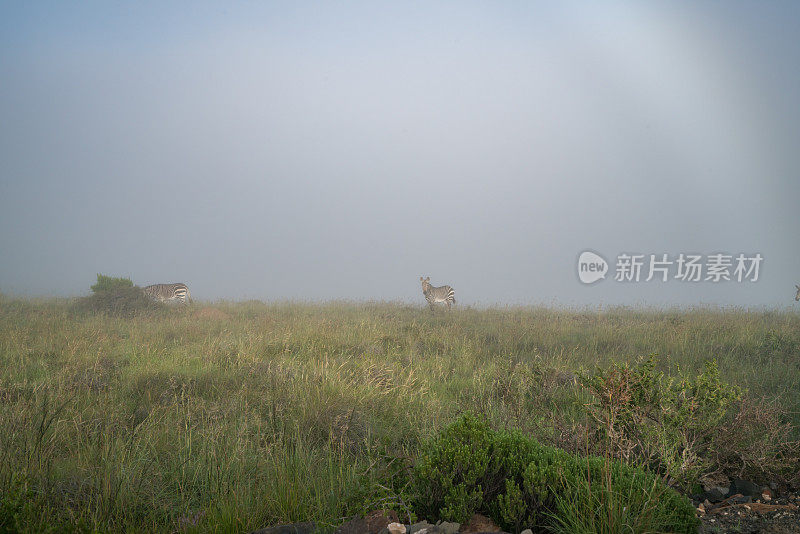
(233, 416)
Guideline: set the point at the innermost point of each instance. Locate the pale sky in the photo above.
(317, 151)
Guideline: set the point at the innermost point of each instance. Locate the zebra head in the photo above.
(797, 297)
(426, 284)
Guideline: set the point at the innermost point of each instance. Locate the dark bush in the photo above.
(521, 483)
(117, 297)
(109, 283)
(122, 302)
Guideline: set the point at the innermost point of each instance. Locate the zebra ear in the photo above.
(428, 279)
(421, 279)
(798, 287)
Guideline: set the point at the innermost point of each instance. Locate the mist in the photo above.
(340, 151)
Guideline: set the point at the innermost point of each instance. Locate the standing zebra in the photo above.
(168, 292)
(433, 295)
(797, 297)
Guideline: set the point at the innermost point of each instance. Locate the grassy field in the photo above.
(232, 416)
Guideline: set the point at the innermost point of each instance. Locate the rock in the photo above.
(293, 528)
(526, 531)
(745, 488)
(713, 495)
(377, 520)
(396, 528)
(766, 494)
(354, 526)
(417, 528)
(480, 523)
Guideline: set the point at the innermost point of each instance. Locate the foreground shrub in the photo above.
(668, 425)
(521, 483)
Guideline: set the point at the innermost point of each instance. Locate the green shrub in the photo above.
(666, 424)
(109, 283)
(14, 505)
(116, 297)
(521, 483)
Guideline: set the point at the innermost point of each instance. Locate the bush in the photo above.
(521, 483)
(109, 283)
(117, 297)
(758, 444)
(668, 425)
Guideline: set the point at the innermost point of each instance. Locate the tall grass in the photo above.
(235, 415)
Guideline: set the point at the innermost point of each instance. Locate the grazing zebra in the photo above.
(433, 295)
(797, 297)
(168, 292)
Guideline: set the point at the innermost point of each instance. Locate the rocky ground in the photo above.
(387, 522)
(743, 507)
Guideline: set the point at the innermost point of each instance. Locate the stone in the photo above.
(396, 528)
(745, 488)
(713, 495)
(526, 531)
(417, 528)
(292, 528)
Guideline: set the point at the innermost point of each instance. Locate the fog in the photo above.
(318, 151)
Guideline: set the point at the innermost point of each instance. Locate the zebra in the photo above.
(797, 297)
(168, 292)
(433, 295)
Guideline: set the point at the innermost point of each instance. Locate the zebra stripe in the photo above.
(168, 292)
(797, 297)
(435, 295)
